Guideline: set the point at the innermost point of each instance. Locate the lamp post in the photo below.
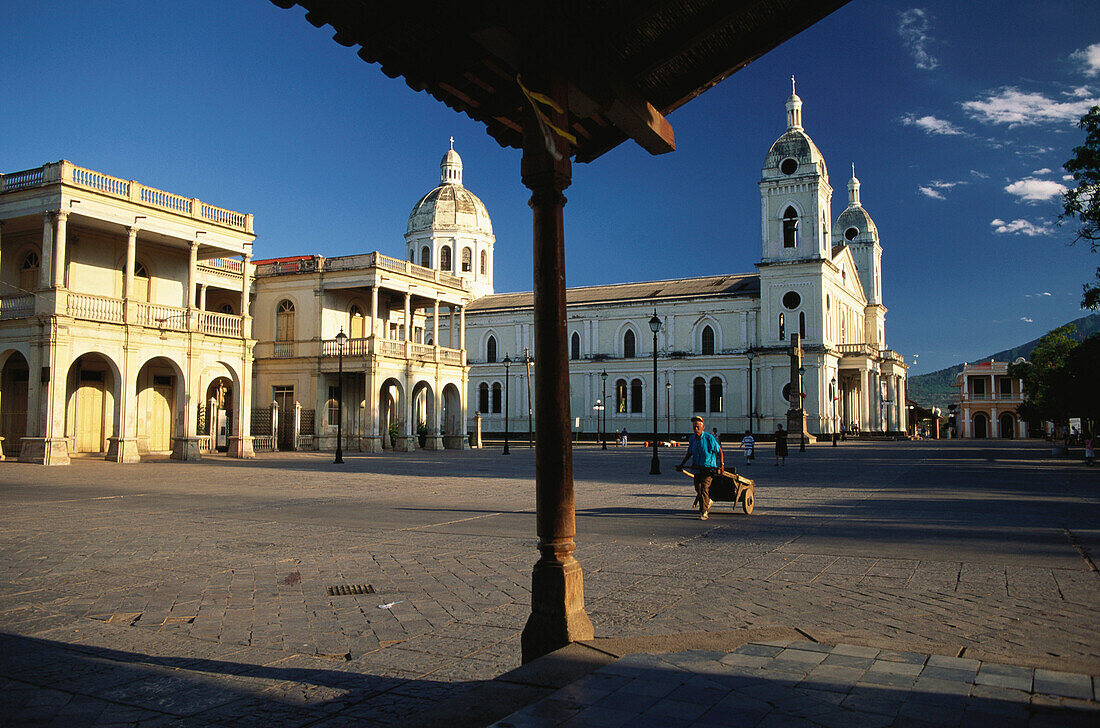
(603, 379)
(507, 396)
(655, 326)
(833, 398)
(341, 340)
(598, 408)
(802, 411)
(751, 355)
(529, 360)
(668, 408)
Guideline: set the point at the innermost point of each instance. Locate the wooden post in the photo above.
(557, 585)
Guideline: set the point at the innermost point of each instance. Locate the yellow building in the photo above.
(988, 401)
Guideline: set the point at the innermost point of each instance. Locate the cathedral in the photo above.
(724, 343)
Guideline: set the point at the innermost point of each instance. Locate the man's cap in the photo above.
(696, 419)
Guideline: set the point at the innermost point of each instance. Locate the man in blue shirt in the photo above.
(706, 460)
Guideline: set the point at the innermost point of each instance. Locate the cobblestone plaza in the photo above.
(223, 592)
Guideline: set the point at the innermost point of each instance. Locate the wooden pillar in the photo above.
(557, 585)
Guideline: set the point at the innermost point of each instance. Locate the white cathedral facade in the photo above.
(724, 342)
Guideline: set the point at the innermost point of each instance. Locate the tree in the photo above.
(1048, 379)
(1084, 368)
(1083, 201)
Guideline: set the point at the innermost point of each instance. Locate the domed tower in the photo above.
(857, 230)
(449, 230)
(795, 194)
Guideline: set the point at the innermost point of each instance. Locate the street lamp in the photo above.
(598, 408)
(668, 408)
(341, 340)
(603, 379)
(507, 397)
(528, 360)
(751, 355)
(655, 326)
(833, 398)
(802, 411)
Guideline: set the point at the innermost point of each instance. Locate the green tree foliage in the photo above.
(1048, 379)
(1082, 203)
(1084, 368)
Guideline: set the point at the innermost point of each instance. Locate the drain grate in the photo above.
(341, 589)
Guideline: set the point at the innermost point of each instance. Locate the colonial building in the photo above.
(124, 319)
(988, 402)
(724, 343)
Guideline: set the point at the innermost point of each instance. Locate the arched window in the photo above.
(628, 344)
(467, 260)
(620, 396)
(28, 271)
(491, 349)
(412, 256)
(284, 321)
(483, 398)
(141, 282)
(790, 228)
(715, 394)
(636, 395)
(445, 258)
(782, 328)
(356, 321)
(708, 340)
(496, 398)
(802, 325)
(699, 395)
(426, 257)
(575, 346)
(484, 263)
(226, 308)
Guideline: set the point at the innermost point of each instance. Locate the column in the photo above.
(462, 327)
(202, 296)
(864, 400)
(557, 616)
(451, 326)
(122, 448)
(192, 275)
(246, 286)
(435, 325)
(373, 311)
(45, 261)
(407, 326)
(59, 251)
(240, 444)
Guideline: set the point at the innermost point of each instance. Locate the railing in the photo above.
(450, 356)
(18, 306)
(353, 347)
(387, 347)
(385, 261)
(305, 442)
(422, 352)
(857, 349)
(283, 350)
(22, 180)
(167, 200)
(206, 444)
(94, 308)
(162, 317)
(224, 264)
(223, 217)
(99, 181)
(219, 324)
(263, 443)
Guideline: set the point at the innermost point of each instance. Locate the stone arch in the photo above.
(424, 415)
(220, 382)
(93, 393)
(453, 418)
(1007, 423)
(391, 411)
(14, 382)
(981, 425)
(160, 389)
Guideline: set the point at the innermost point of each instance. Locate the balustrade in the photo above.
(219, 324)
(94, 308)
(19, 306)
(162, 317)
(283, 350)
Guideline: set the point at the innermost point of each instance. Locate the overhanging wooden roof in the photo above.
(628, 62)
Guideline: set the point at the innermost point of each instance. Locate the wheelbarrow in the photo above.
(729, 487)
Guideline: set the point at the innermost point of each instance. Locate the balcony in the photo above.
(391, 348)
(87, 307)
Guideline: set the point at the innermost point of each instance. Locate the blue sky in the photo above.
(957, 115)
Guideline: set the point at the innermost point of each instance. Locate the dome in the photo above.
(857, 218)
(794, 144)
(450, 206)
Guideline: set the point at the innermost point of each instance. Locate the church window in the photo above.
(636, 395)
(284, 321)
(851, 233)
(484, 263)
(790, 228)
(412, 256)
(28, 271)
(788, 166)
(445, 258)
(791, 300)
(699, 395)
(483, 398)
(782, 328)
(496, 398)
(426, 257)
(620, 396)
(467, 260)
(715, 394)
(575, 346)
(802, 325)
(708, 340)
(491, 349)
(628, 344)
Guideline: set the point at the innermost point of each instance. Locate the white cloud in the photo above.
(929, 192)
(1089, 58)
(1011, 106)
(913, 28)
(935, 188)
(979, 175)
(1044, 170)
(1021, 227)
(1067, 178)
(1031, 189)
(1026, 319)
(931, 124)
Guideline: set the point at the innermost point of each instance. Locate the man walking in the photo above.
(748, 444)
(707, 461)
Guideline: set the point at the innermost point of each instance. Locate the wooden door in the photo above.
(89, 417)
(160, 418)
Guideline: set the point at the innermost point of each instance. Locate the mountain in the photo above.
(935, 388)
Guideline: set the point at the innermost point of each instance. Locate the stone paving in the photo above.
(198, 593)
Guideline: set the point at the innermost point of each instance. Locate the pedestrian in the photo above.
(622, 441)
(748, 444)
(1090, 448)
(780, 445)
(706, 460)
(844, 431)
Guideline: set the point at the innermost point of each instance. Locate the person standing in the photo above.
(1090, 449)
(706, 459)
(748, 444)
(622, 441)
(780, 445)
